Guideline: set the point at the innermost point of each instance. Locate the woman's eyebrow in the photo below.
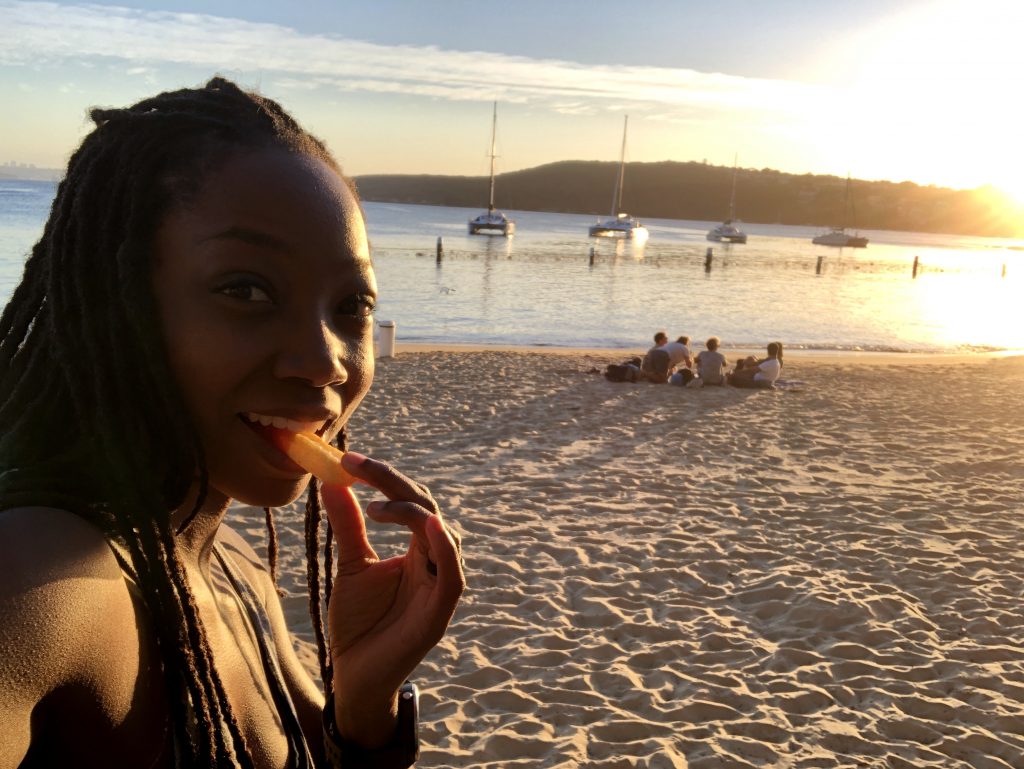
(249, 236)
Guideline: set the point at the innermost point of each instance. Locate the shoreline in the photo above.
(615, 354)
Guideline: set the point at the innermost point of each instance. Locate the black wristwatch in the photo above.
(400, 753)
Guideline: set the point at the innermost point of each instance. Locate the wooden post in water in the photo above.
(592, 250)
(440, 249)
(707, 259)
(817, 269)
(914, 273)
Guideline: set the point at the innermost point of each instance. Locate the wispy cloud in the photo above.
(51, 33)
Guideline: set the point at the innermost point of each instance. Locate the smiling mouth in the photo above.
(278, 430)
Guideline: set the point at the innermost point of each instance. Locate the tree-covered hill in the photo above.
(675, 190)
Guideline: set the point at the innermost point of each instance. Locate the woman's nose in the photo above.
(315, 355)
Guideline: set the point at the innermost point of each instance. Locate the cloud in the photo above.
(51, 33)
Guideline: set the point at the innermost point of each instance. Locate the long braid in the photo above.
(320, 594)
(90, 409)
(272, 544)
(314, 517)
(342, 443)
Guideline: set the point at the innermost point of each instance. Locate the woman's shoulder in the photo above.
(59, 576)
(57, 564)
(50, 544)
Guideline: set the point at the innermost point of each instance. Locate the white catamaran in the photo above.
(727, 232)
(619, 225)
(494, 222)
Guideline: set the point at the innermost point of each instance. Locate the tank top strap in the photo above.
(260, 624)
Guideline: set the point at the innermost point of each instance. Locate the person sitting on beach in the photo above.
(656, 364)
(711, 364)
(203, 286)
(627, 371)
(750, 372)
(679, 353)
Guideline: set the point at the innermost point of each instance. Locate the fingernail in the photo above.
(353, 459)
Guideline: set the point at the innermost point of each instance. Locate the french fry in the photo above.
(313, 454)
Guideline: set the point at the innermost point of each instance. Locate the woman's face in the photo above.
(265, 291)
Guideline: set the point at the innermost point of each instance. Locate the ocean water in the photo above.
(543, 286)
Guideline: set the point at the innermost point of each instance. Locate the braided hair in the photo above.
(91, 414)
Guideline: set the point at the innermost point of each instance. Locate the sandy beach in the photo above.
(828, 574)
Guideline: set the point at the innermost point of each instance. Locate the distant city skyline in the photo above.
(920, 91)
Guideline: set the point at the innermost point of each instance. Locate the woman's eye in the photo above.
(244, 290)
(359, 305)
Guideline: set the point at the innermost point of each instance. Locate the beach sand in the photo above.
(829, 575)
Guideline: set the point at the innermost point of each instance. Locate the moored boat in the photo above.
(727, 232)
(493, 221)
(838, 237)
(619, 224)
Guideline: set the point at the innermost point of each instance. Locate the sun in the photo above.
(932, 88)
(1013, 189)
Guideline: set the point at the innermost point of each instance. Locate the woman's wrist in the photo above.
(399, 748)
(368, 722)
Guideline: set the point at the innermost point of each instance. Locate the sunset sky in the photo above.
(920, 90)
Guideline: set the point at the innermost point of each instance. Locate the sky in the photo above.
(918, 90)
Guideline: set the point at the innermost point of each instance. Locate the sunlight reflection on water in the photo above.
(540, 288)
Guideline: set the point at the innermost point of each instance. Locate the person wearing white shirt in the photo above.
(762, 373)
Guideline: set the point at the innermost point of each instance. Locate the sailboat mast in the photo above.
(494, 132)
(617, 195)
(846, 204)
(732, 198)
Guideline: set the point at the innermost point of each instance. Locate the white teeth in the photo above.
(282, 423)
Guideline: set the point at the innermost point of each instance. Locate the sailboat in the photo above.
(493, 222)
(838, 236)
(619, 225)
(727, 232)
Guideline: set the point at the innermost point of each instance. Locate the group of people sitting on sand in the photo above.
(672, 362)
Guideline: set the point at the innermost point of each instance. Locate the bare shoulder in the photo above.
(59, 574)
(40, 546)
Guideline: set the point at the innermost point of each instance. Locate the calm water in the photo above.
(539, 288)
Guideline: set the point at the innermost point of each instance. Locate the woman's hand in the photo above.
(385, 615)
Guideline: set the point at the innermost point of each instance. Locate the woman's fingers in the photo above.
(386, 479)
(441, 546)
(446, 549)
(412, 516)
(408, 504)
(346, 518)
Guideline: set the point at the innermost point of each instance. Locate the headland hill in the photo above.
(700, 191)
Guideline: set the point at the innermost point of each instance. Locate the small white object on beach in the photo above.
(386, 339)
